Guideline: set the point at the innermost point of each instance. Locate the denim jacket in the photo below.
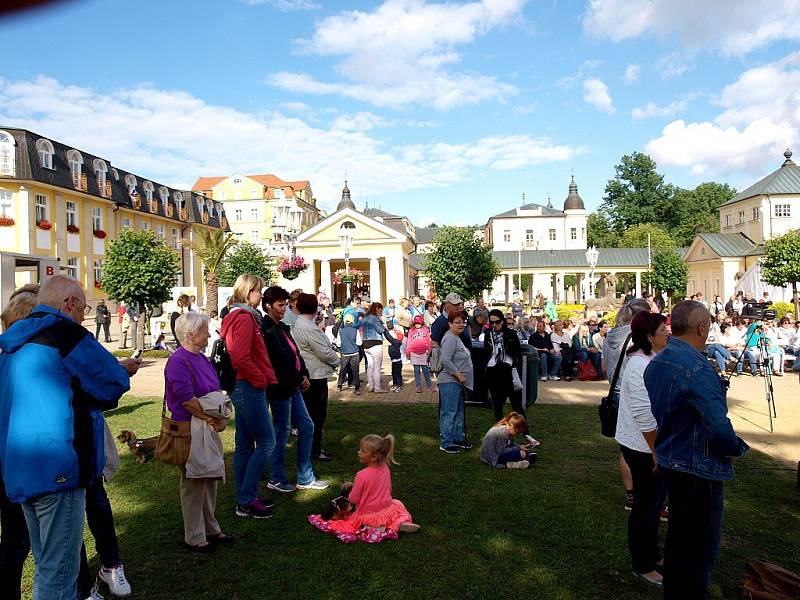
(372, 328)
(688, 399)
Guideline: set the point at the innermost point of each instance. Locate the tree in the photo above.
(781, 265)
(460, 263)
(598, 231)
(636, 237)
(246, 258)
(140, 269)
(669, 273)
(211, 246)
(696, 211)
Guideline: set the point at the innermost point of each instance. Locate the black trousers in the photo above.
(567, 362)
(316, 399)
(693, 537)
(397, 373)
(101, 524)
(106, 331)
(648, 497)
(501, 387)
(14, 546)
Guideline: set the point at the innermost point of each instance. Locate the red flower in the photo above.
(73, 229)
(6, 222)
(99, 234)
(44, 224)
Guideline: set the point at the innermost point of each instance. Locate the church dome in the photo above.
(573, 201)
(345, 202)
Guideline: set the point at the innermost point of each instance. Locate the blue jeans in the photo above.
(254, 441)
(451, 414)
(285, 412)
(693, 536)
(426, 372)
(749, 357)
(510, 454)
(552, 359)
(55, 525)
(719, 353)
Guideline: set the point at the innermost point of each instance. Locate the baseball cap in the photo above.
(453, 298)
(418, 319)
(348, 319)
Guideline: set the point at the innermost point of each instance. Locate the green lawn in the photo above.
(554, 531)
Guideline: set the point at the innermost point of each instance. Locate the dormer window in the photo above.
(210, 208)
(278, 194)
(148, 191)
(178, 199)
(130, 183)
(200, 203)
(115, 173)
(75, 161)
(7, 154)
(164, 195)
(45, 150)
(101, 170)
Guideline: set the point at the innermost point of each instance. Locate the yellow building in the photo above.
(60, 202)
(253, 203)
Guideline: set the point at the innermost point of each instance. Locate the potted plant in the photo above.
(73, 229)
(6, 222)
(99, 234)
(291, 266)
(44, 224)
(98, 285)
(347, 276)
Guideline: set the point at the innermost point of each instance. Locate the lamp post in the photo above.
(347, 234)
(592, 254)
(286, 222)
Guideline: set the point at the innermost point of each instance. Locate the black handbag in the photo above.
(609, 405)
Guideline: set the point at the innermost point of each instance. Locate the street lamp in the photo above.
(286, 222)
(592, 254)
(347, 234)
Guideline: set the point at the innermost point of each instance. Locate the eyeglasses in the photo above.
(458, 323)
(494, 321)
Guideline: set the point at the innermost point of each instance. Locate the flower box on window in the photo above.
(44, 224)
(80, 181)
(98, 285)
(136, 202)
(205, 218)
(105, 190)
(184, 215)
(99, 234)
(73, 229)
(6, 222)
(153, 206)
(170, 212)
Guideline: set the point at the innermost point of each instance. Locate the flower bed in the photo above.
(45, 225)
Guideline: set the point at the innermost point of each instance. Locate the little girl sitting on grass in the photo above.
(498, 448)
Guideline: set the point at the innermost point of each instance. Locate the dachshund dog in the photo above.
(340, 507)
(139, 448)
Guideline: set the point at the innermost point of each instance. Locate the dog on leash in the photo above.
(139, 448)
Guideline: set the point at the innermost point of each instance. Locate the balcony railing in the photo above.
(169, 210)
(224, 222)
(80, 181)
(183, 215)
(153, 206)
(205, 217)
(105, 188)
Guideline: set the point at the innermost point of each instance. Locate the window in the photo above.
(783, 210)
(177, 197)
(237, 181)
(75, 166)
(45, 150)
(115, 174)
(254, 193)
(98, 271)
(97, 219)
(573, 233)
(254, 214)
(101, 170)
(42, 212)
(278, 194)
(210, 208)
(728, 220)
(6, 204)
(530, 241)
(506, 235)
(72, 214)
(237, 214)
(176, 238)
(145, 226)
(130, 183)
(126, 222)
(148, 190)
(164, 195)
(72, 267)
(552, 235)
(200, 204)
(161, 233)
(7, 155)
(703, 250)
(755, 214)
(254, 237)
(741, 216)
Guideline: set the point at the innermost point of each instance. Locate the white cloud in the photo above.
(673, 65)
(527, 109)
(586, 67)
(286, 5)
(404, 52)
(596, 93)
(173, 137)
(736, 27)
(632, 74)
(761, 117)
(363, 121)
(296, 107)
(650, 110)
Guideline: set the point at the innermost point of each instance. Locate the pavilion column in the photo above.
(637, 284)
(560, 295)
(509, 287)
(325, 277)
(375, 280)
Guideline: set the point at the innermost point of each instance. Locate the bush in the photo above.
(611, 318)
(145, 354)
(783, 308)
(568, 311)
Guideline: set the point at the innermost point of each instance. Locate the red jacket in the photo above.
(419, 341)
(247, 350)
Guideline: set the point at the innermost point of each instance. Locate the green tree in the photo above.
(636, 237)
(246, 258)
(460, 263)
(669, 273)
(211, 246)
(696, 211)
(598, 231)
(781, 265)
(140, 269)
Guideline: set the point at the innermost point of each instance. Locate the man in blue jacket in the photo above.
(694, 446)
(55, 378)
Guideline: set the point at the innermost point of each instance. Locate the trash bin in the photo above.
(530, 374)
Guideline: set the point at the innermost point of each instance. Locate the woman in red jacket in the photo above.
(255, 437)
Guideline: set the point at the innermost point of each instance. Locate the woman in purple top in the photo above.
(187, 376)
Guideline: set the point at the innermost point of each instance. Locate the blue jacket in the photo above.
(372, 328)
(347, 338)
(54, 381)
(688, 399)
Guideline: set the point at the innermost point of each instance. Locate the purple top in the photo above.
(180, 386)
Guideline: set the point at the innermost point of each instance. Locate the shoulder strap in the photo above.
(194, 384)
(619, 362)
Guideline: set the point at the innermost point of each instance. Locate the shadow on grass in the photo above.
(557, 530)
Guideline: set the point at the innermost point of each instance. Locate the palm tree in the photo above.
(211, 246)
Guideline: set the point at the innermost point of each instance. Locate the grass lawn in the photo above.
(557, 530)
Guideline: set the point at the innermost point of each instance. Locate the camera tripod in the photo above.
(763, 354)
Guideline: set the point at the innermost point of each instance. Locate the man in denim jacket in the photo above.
(694, 446)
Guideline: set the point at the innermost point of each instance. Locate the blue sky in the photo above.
(444, 111)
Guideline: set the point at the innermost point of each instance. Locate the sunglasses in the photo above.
(494, 321)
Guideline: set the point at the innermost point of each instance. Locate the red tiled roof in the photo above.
(206, 183)
(268, 180)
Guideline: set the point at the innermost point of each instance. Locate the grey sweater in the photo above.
(494, 442)
(455, 358)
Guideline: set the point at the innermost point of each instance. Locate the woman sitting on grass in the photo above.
(498, 448)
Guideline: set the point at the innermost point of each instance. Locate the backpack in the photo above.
(435, 360)
(221, 361)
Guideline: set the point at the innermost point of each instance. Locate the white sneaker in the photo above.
(115, 578)
(518, 464)
(95, 594)
(533, 442)
(317, 484)
(543, 378)
(555, 378)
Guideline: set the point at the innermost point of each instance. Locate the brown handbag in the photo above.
(175, 438)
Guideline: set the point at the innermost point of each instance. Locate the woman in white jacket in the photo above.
(636, 434)
(320, 359)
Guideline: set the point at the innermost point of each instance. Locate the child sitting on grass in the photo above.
(498, 448)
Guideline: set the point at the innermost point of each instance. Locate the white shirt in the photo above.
(564, 338)
(635, 412)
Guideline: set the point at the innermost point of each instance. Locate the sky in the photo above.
(446, 112)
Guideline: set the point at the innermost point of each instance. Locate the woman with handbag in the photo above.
(455, 376)
(188, 376)
(503, 349)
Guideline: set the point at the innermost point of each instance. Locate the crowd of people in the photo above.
(675, 439)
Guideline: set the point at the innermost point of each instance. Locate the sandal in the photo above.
(199, 548)
(220, 538)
